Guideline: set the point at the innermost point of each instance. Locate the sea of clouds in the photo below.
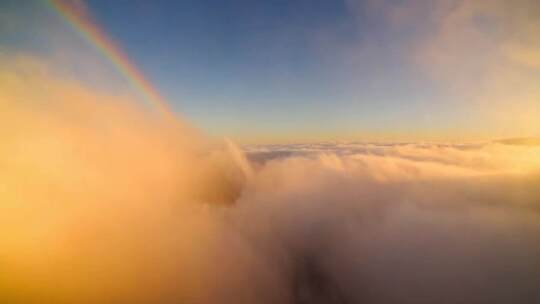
(104, 202)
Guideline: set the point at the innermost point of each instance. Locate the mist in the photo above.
(103, 201)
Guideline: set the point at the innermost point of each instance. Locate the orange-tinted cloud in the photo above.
(102, 202)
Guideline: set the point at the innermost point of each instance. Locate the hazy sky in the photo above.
(261, 71)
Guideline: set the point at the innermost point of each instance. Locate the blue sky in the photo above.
(263, 61)
(293, 70)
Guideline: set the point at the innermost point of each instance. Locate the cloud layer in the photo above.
(102, 202)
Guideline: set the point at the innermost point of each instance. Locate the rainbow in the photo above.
(79, 21)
